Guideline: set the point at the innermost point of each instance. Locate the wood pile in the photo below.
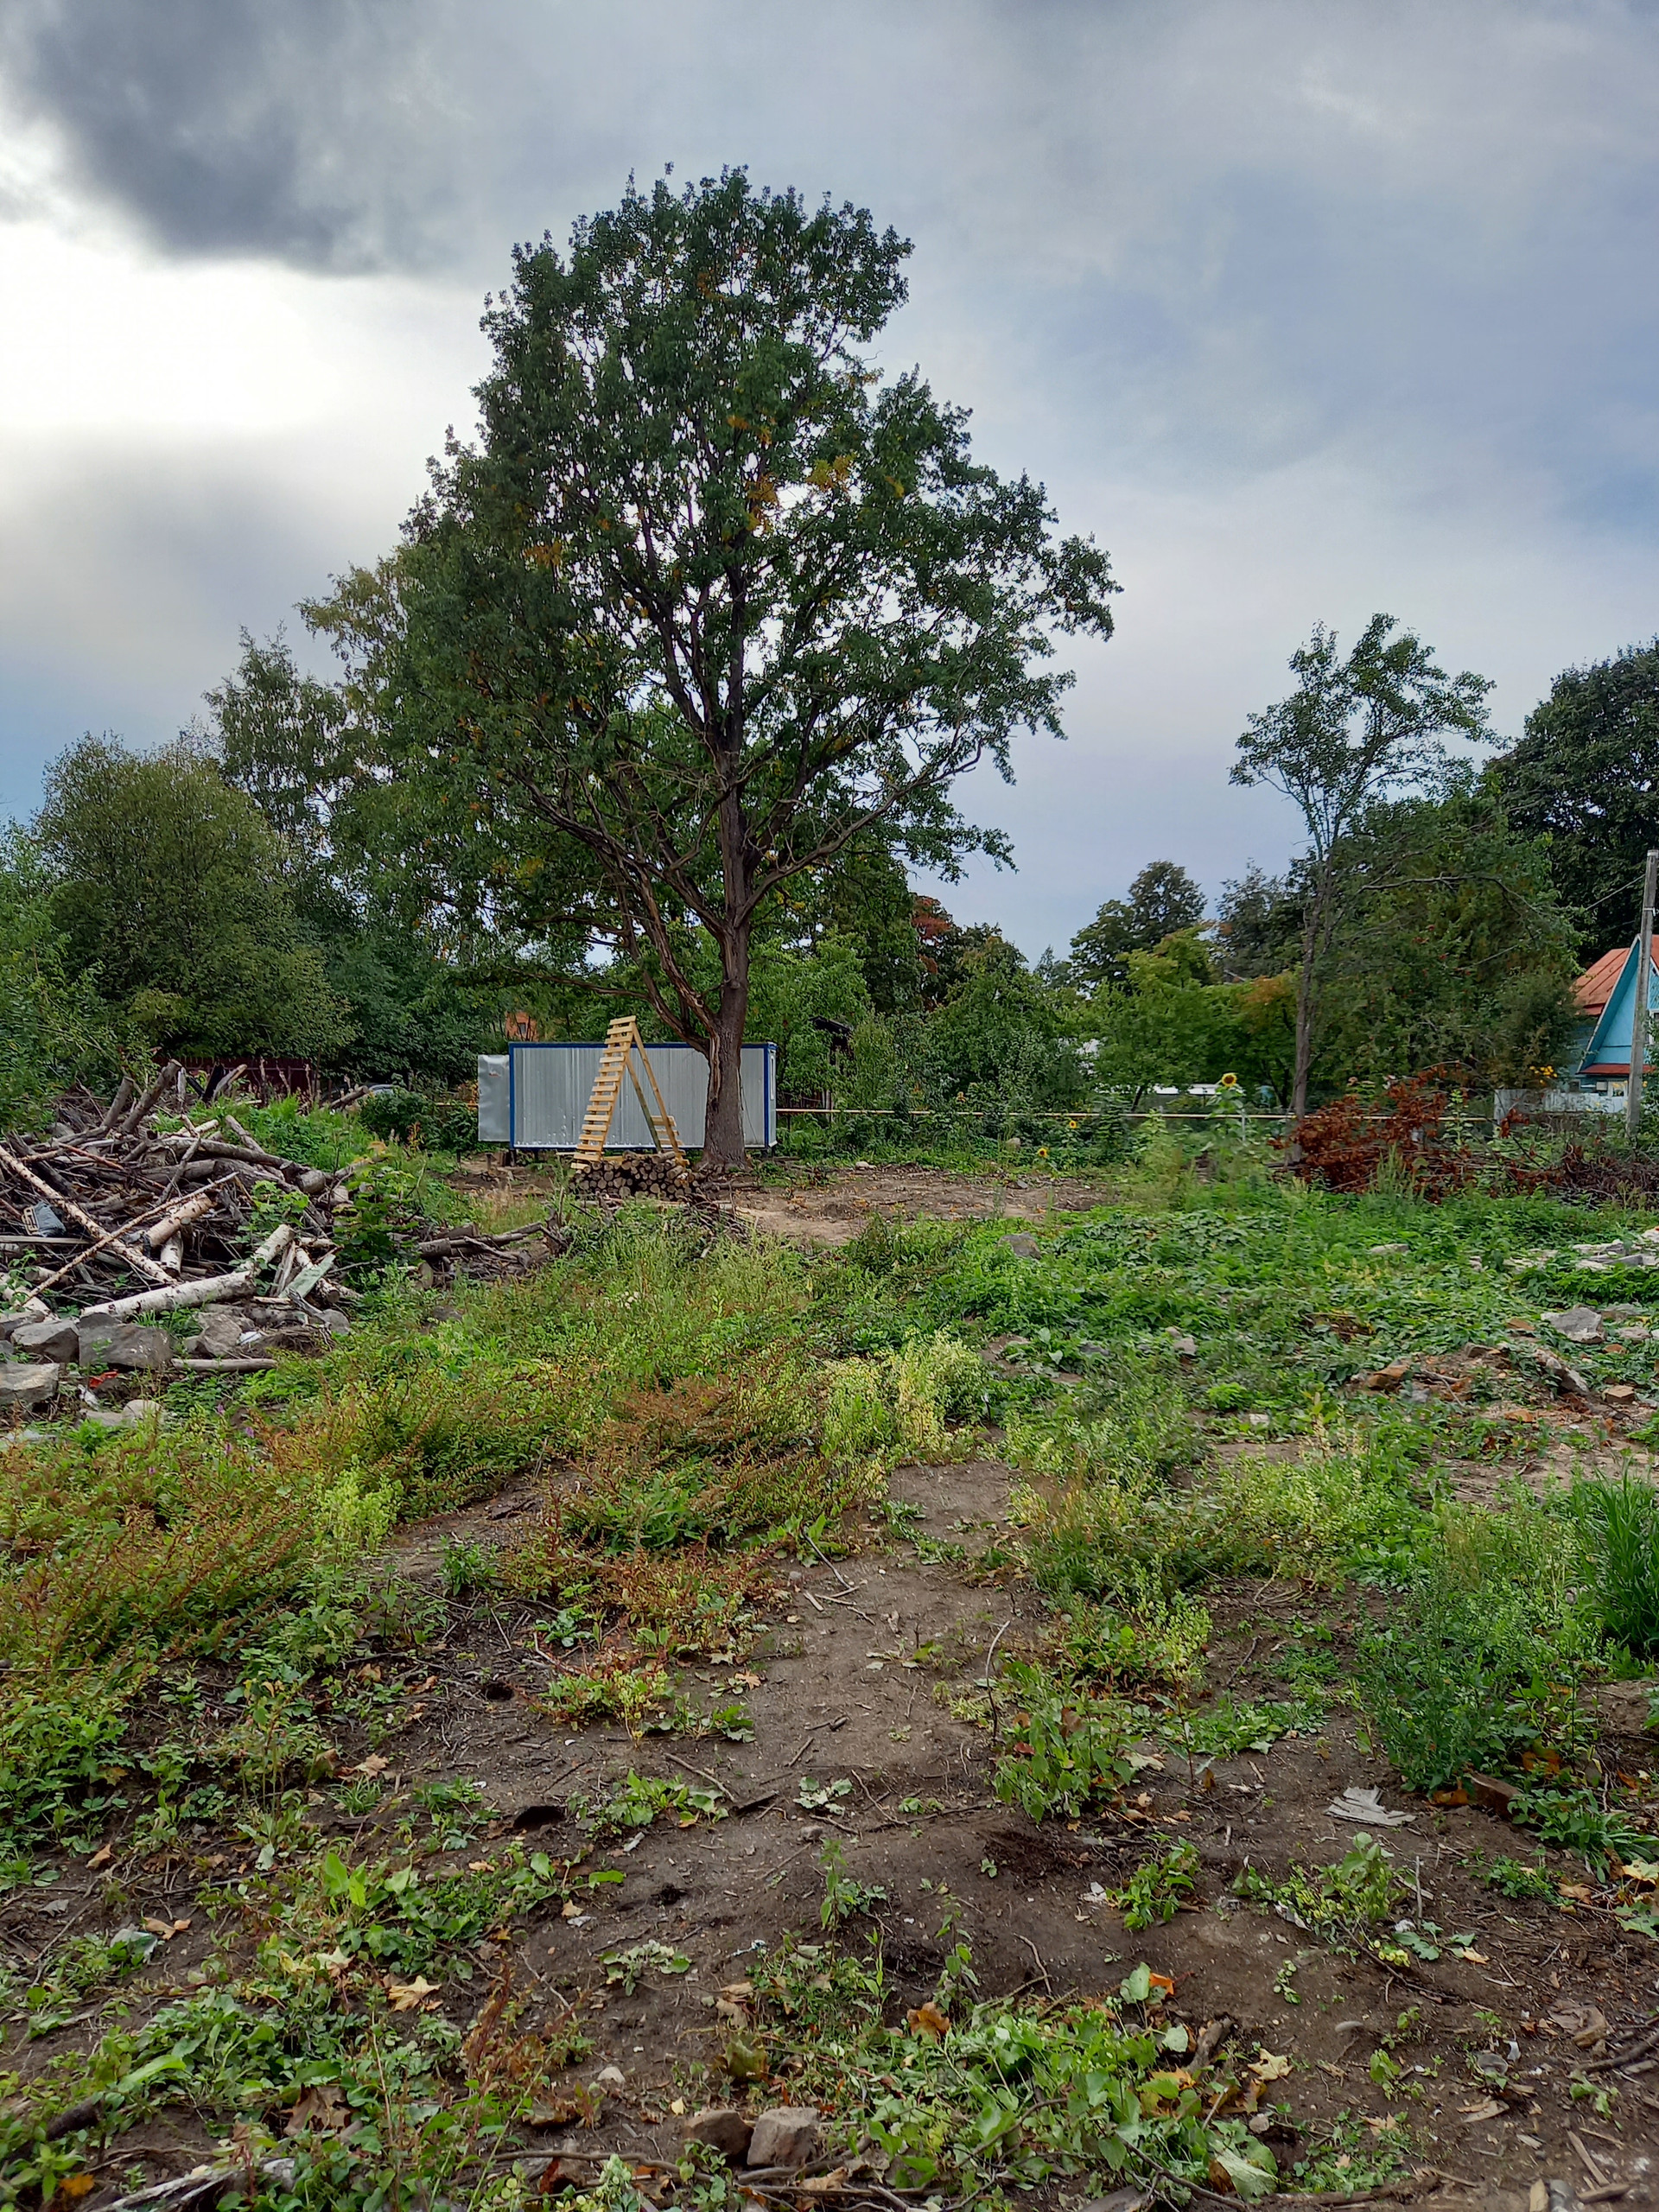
(622, 1175)
(127, 1221)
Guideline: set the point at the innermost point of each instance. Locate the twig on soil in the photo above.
(701, 1772)
(990, 1689)
(1041, 1968)
(830, 1563)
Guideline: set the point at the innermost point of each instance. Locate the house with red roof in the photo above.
(1606, 997)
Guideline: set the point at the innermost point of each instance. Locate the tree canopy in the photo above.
(1352, 732)
(711, 601)
(170, 885)
(1585, 775)
(1163, 900)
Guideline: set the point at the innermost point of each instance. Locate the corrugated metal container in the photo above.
(534, 1097)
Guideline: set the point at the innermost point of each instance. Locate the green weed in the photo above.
(1156, 1891)
(1068, 1746)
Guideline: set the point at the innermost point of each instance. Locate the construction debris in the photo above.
(125, 1222)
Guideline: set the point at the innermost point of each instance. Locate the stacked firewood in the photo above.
(622, 1175)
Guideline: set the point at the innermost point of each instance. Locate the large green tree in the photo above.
(709, 602)
(53, 1028)
(1353, 730)
(171, 886)
(1163, 900)
(1585, 775)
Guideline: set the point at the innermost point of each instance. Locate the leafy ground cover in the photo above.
(908, 1677)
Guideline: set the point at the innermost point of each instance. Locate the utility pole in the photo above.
(1639, 1010)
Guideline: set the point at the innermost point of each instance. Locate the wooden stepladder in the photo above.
(622, 1044)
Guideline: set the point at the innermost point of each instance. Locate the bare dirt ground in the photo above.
(854, 1677)
(828, 1206)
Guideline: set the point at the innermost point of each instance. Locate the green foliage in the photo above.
(61, 1747)
(1342, 1903)
(629, 1967)
(843, 1896)
(1479, 1659)
(897, 1404)
(640, 1799)
(1621, 1525)
(1582, 776)
(1495, 1003)
(697, 360)
(1162, 900)
(169, 885)
(1067, 1746)
(1514, 1878)
(1156, 1891)
(1575, 1820)
(53, 1028)
(1353, 730)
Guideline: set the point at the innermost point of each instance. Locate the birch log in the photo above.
(139, 1261)
(208, 1290)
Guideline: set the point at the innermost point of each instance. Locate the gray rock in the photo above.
(1185, 1346)
(222, 1328)
(32, 1309)
(26, 1389)
(336, 1323)
(610, 2077)
(785, 2136)
(1386, 1251)
(124, 1345)
(54, 1339)
(723, 2128)
(1023, 1248)
(1624, 1313)
(1580, 1325)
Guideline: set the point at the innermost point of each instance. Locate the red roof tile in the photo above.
(1595, 986)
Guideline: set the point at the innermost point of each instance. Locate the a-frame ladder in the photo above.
(622, 1042)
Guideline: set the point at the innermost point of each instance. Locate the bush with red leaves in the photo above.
(1344, 1146)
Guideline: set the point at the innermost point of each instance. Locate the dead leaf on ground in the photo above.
(319, 2106)
(927, 2020)
(1270, 2067)
(406, 1995)
(1488, 2108)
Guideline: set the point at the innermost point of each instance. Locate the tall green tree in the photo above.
(1163, 900)
(171, 886)
(405, 901)
(1353, 730)
(1454, 949)
(710, 602)
(1585, 774)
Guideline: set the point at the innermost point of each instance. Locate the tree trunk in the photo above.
(1304, 1060)
(1315, 936)
(723, 1135)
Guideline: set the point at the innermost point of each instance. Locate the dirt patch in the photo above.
(815, 1207)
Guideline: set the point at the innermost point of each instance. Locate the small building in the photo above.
(1601, 1046)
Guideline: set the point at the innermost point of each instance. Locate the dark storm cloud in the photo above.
(304, 131)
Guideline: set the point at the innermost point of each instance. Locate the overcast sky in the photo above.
(1303, 308)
